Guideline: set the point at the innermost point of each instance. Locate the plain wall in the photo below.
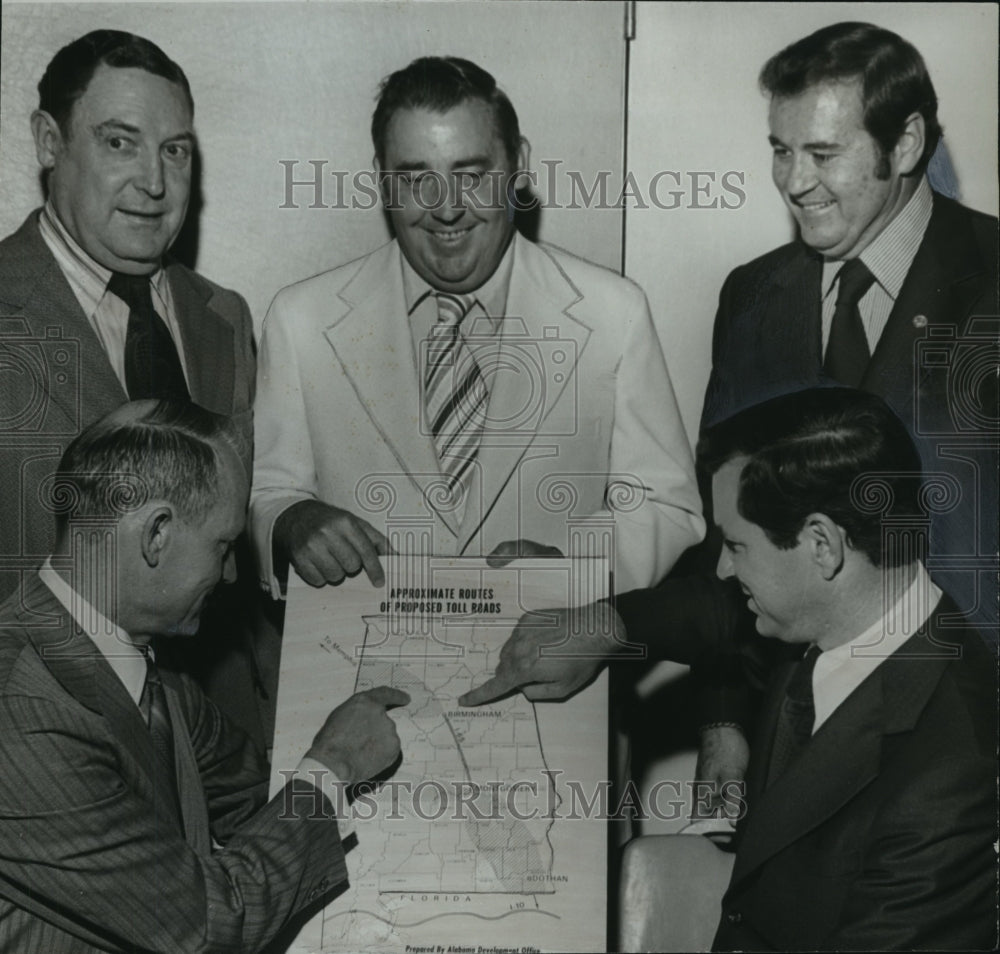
(694, 106)
(297, 81)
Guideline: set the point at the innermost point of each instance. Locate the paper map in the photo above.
(486, 838)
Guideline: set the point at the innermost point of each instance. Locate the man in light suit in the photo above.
(578, 445)
(115, 139)
(871, 793)
(133, 814)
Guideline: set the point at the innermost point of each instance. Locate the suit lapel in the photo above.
(37, 288)
(843, 756)
(207, 340)
(789, 334)
(937, 296)
(78, 666)
(528, 383)
(372, 341)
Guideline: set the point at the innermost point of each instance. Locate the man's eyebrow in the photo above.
(821, 146)
(472, 161)
(417, 166)
(119, 125)
(116, 124)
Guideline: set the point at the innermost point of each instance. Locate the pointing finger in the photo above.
(388, 696)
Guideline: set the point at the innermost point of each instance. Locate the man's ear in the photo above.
(48, 138)
(910, 146)
(384, 183)
(827, 543)
(156, 533)
(522, 164)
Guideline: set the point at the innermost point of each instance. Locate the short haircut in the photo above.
(894, 79)
(70, 71)
(834, 451)
(440, 83)
(170, 451)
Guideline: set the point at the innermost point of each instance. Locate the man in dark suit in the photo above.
(133, 814)
(853, 126)
(871, 792)
(93, 310)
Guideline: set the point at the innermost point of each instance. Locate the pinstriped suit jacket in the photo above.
(91, 857)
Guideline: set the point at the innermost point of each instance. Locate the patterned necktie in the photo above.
(797, 716)
(847, 353)
(153, 706)
(455, 394)
(152, 365)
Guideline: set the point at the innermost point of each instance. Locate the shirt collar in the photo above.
(491, 295)
(88, 277)
(839, 671)
(890, 254)
(126, 660)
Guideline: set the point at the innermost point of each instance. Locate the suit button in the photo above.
(734, 917)
(919, 321)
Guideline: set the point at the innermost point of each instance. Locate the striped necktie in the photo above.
(455, 395)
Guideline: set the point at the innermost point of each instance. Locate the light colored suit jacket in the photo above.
(91, 857)
(55, 379)
(585, 442)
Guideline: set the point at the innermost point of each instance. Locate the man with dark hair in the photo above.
(133, 814)
(437, 395)
(888, 287)
(93, 310)
(871, 789)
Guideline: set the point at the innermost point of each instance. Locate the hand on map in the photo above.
(358, 739)
(509, 550)
(325, 543)
(552, 654)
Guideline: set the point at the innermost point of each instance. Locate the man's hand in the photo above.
(722, 757)
(553, 653)
(509, 550)
(325, 543)
(358, 739)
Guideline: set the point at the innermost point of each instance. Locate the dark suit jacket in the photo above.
(880, 835)
(935, 365)
(91, 858)
(55, 379)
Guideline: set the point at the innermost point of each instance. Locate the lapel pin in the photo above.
(919, 321)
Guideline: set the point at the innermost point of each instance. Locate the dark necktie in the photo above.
(153, 706)
(152, 365)
(798, 713)
(455, 394)
(847, 351)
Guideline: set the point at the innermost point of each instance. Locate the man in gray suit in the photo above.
(94, 311)
(133, 814)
